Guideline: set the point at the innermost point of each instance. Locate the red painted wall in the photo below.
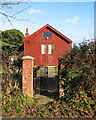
(32, 47)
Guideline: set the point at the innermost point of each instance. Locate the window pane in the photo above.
(47, 34)
(50, 49)
(43, 48)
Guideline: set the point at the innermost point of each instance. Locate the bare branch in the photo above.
(25, 20)
(21, 11)
(12, 16)
(7, 18)
(10, 22)
(10, 3)
(3, 14)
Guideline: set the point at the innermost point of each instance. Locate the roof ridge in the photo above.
(47, 25)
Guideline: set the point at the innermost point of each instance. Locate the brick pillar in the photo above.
(27, 75)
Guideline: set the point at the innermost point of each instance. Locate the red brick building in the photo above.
(46, 45)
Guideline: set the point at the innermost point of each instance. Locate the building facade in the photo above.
(46, 45)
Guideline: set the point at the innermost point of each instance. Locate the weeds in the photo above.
(22, 105)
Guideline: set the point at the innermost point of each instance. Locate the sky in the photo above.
(73, 19)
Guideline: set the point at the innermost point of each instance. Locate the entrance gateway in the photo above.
(41, 79)
(45, 81)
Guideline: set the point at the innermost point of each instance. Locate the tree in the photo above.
(12, 52)
(12, 46)
(12, 38)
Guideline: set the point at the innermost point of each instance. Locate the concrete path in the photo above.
(43, 99)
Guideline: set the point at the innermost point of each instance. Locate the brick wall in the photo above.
(27, 75)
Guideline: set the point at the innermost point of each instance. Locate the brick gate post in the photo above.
(27, 75)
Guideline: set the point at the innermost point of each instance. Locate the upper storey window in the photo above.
(47, 34)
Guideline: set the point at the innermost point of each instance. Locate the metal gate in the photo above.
(40, 81)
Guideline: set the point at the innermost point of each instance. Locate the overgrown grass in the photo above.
(15, 103)
(19, 105)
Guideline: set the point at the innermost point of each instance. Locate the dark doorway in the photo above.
(47, 81)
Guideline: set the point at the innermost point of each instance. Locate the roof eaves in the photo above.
(47, 25)
(59, 33)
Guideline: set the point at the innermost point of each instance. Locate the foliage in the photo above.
(57, 70)
(12, 54)
(12, 38)
(17, 105)
(79, 72)
(14, 102)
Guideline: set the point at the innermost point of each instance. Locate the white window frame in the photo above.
(43, 49)
(50, 48)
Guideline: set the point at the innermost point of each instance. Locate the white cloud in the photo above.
(73, 20)
(32, 10)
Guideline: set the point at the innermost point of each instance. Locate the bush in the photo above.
(79, 72)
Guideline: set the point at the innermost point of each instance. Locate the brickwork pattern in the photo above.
(27, 76)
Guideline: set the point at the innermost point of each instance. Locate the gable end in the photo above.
(58, 35)
(52, 30)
